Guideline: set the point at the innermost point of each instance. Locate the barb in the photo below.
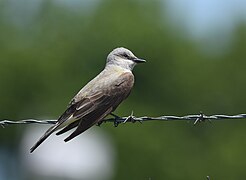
(118, 120)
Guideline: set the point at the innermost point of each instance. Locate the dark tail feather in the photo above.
(89, 121)
(75, 133)
(83, 125)
(67, 128)
(45, 136)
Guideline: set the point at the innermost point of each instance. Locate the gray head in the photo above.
(124, 58)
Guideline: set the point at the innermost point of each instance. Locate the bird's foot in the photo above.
(99, 123)
(114, 115)
(116, 118)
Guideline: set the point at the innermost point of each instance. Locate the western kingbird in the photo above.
(99, 97)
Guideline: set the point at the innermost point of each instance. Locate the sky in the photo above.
(203, 16)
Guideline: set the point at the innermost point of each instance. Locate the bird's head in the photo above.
(124, 58)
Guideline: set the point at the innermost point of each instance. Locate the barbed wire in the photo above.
(118, 120)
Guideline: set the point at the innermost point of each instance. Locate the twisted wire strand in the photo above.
(118, 120)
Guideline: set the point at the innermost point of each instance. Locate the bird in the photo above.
(99, 97)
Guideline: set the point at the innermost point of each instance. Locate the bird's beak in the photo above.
(137, 60)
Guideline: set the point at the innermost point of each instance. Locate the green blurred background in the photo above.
(196, 59)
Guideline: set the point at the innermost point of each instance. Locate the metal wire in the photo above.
(118, 120)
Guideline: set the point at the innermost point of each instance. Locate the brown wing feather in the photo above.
(108, 102)
(85, 124)
(84, 109)
(68, 127)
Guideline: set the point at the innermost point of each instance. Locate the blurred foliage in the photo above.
(44, 62)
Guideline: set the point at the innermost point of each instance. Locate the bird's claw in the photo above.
(116, 122)
(99, 123)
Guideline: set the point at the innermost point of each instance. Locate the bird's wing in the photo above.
(87, 110)
(102, 105)
(90, 104)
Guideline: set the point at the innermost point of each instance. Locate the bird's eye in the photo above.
(125, 55)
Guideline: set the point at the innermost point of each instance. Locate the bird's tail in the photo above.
(45, 136)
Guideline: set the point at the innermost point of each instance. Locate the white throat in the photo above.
(122, 63)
